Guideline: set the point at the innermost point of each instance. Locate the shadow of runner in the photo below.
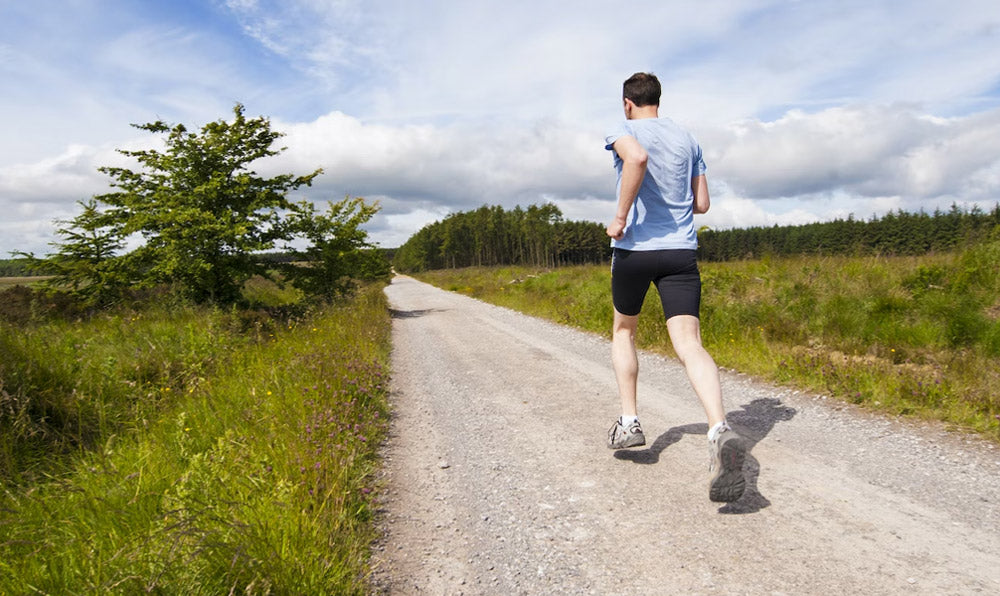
(753, 422)
(410, 314)
(651, 454)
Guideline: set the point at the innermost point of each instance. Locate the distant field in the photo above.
(9, 282)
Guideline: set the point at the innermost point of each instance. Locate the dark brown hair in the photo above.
(643, 88)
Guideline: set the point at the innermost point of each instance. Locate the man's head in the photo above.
(642, 89)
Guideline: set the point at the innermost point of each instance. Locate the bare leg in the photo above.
(685, 335)
(624, 360)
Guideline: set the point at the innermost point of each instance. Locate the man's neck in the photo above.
(643, 112)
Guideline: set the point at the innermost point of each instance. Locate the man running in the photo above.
(661, 185)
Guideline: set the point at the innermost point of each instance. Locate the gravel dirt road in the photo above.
(498, 480)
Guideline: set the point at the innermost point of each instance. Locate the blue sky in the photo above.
(806, 110)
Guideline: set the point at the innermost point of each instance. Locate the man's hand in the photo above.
(616, 229)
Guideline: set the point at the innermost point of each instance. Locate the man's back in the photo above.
(662, 216)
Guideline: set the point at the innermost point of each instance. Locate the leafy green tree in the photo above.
(202, 218)
(339, 253)
(202, 212)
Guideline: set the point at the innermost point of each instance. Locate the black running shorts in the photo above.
(675, 273)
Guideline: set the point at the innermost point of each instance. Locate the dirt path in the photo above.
(499, 481)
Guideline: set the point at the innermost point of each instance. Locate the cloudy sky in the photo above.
(807, 110)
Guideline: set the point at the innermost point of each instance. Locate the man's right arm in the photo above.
(634, 159)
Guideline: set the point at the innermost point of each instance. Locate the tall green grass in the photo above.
(904, 335)
(192, 451)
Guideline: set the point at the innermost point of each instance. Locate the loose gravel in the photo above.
(497, 479)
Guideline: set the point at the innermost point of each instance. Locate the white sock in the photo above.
(713, 433)
(627, 420)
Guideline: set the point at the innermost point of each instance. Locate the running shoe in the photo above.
(726, 467)
(620, 437)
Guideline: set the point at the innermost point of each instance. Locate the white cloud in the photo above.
(860, 160)
(806, 110)
(731, 210)
(394, 229)
(462, 167)
(865, 151)
(54, 179)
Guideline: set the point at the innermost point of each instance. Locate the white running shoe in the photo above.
(726, 467)
(620, 437)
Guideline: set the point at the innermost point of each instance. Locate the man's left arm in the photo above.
(699, 186)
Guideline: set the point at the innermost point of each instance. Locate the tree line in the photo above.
(536, 236)
(896, 233)
(15, 268)
(539, 236)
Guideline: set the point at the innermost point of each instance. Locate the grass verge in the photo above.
(190, 451)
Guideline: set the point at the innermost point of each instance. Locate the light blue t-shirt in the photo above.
(662, 216)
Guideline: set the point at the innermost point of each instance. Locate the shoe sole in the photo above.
(632, 441)
(728, 484)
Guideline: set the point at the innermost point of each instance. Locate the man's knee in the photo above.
(623, 334)
(685, 335)
(687, 349)
(624, 323)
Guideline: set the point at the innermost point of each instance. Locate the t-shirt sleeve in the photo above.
(698, 164)
(615, 134)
